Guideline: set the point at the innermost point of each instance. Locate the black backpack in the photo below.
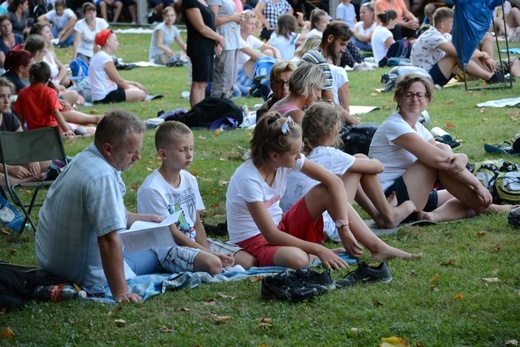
(400, 49)
(357, 138)
(209, 110)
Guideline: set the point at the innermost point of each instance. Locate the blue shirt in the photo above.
(84, 203)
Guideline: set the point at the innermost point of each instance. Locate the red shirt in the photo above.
(36, 104)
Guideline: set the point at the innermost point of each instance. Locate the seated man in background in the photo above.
(63, 20)
(434, 52)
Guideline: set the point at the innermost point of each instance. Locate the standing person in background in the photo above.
(268, 12)
(407, 24)
(19, 14)
(9, 39)
(63, 20)
(364, 29)
(347, 13)
(104, 5)
(227, 20)
(162, 37)
(203, 43)
(85, 31)
(285, 38)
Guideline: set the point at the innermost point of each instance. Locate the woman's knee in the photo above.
(207, 262)
(292, 257)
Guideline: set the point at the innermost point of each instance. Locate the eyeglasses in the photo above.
(420, 96)
(281, 83)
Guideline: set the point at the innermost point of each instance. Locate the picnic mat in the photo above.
(150, 285)
(511, 102)
(379, 232)
(511, 50)
(362, 109)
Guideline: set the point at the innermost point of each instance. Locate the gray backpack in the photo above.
(390, 78)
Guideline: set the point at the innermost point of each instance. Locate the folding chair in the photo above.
(28, 147)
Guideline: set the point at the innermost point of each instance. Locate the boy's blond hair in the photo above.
(168, 132)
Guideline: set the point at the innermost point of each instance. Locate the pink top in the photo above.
(283, 109)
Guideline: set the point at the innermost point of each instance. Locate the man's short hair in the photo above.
(441, 14)
(116, 126)
(168, 132)
(338, 29)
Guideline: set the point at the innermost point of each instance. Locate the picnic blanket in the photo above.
(511, 102)
(150, 285)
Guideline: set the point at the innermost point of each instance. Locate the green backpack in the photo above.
(507, 187)
(501, 178)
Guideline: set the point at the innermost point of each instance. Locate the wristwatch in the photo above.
(340, 223)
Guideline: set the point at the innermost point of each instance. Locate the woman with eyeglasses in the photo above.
(415, 163)
(305, 85)
(293, 239)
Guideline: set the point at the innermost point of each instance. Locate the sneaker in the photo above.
(496, 78)
(322, 282)
(284, 287)
(514, 217)
(172, 61)
(366, 274)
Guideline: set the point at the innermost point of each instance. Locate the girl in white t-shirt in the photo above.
(321, 126)
(382, 38)
(285, 38)
(293, 239)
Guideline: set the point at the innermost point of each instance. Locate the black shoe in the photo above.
(366, 274)
(496, 78)
(514, 217)
(284, 286)
(219, 230)
(322, 282)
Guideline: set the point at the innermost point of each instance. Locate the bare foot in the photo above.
(421, 215)
(392, 199)
(389, 252)
(400, 212)
(501, 208)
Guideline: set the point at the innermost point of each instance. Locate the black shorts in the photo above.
(401, 192)
(437, 75)
(202, 68)
(114, 96)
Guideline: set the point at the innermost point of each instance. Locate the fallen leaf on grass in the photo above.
(223, 183)
(377, 303)
(265, 320)
(194, 173)
(253, 279)
(450, 125)
(135, 187)
(164, 329)
(393, 341)
(434, 289)
(448, 262)
(226, 296)
(9, 333)
(449, 102)
(120, 322)
(434, 278)
(458, 297)
(202, 137)
(184, 309)
(511, 342)
(490, 279)
(220, 319)
(264, 345)
(265, 325)
(356, 330)
(215, 205)
(480, 234)
(6, 231)
(12, 252)
(218, 131)
(211, 301)
(495, 249)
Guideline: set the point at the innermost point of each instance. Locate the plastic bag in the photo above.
(10, 216)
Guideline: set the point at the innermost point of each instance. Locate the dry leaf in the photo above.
(211, 301)
(458, 297)
(356, 330)
(490, 279)
(222, 159)
(450, 125)
(434, 278)
(183, 309)
(393, 341)
(223, 183)
(202, 137)
(215, 205)
(434, 289)
(255, 279)
(449, 102)
(226, 296)
(120, 322)
(265, 320)
(220, 319)
(448, 262)
(377, 303)
(164, 329)
(265, 325)
(12, 252)
(218, 131)
(135, 186)
(263, 345)
(480, 234)
(495, 249)
(6, 231)
(194, 173)
(413, 274)
(149, 168)
(9, 333)
(511, 342)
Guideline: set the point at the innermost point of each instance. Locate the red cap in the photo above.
(103, 36)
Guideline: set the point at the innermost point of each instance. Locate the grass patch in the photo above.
(440, 300)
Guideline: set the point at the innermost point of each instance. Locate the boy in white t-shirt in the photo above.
(63, 20)
(171, 188)
(347, 13)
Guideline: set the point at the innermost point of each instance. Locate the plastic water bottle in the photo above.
(58, 292)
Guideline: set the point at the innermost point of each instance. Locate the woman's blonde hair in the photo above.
(306, 80)
(321, 119)
(268, 137)
(307, 45)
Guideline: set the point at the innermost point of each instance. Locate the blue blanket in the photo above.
(150, 285)
(511, 50)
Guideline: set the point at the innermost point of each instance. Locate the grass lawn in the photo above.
(442, 299)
